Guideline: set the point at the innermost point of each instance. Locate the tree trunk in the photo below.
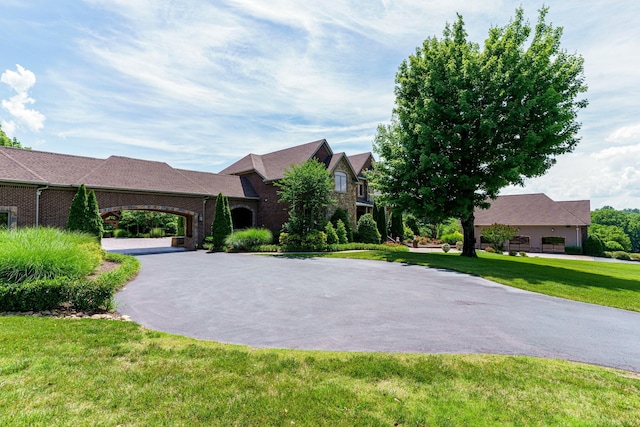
(469, 244)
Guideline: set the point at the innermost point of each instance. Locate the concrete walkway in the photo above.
(351, 305)
(140, 246)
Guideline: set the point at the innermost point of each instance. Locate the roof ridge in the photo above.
(22, 166)
(82, 179)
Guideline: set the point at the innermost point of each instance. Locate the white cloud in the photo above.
(625, 134)
(21, 81)
(9, 128)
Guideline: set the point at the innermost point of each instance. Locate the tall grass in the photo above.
(248, 239)
(44, 253)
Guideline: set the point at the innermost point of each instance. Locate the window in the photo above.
(4, 219)
(341, 182)
(361, 190)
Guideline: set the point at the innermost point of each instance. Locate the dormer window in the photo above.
(341, 182)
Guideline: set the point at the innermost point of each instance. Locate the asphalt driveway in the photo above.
(352, 305)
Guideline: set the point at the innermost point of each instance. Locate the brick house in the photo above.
(36, 188)
(543, 225)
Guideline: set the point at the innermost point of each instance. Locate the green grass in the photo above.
(92, 372)
(604, 283)
(43, 253)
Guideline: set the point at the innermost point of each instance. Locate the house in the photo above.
(543, 225)
(263, 170)
(36, 188)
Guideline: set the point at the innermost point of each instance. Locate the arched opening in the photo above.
(182, 231)
(241, 217)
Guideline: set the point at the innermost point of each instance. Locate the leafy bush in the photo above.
(342, 215)
(613, 246)
(355, 246)
(35, 295)
(452, 238)
(446, 248)
(523, 254)
(621, 255)
(332, 236)
(341, 231)
(498, 234)
(634, 257)
(594, 246)
(44, 253)
(607, 254)
(314, 241)
(156, 232)
(459, 245)
(249, 239)
(450, 226)
(368, 230)
(610, 233)
(121, 232)
(573, 250)
(490, 250)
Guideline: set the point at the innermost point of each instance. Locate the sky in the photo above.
(199, 84)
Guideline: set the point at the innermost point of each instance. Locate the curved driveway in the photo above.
(350, 305)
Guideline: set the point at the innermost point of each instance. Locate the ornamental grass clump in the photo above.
(44, 253)
(249, 239)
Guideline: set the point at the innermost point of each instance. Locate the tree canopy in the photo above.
(626, 221)
(470, 121)
(5, 141)
(307, 188)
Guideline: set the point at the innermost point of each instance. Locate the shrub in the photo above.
(594, 246)
(342, 215)
(36, 295)
(78, 213)
(341, 231)
(452, 238)
(459, 245)
(332, 236)
(607, 254)
(446, 248)
(221, 226)
(156, 232)
(44, 253)
(523, 254)
(490, 250)
(368, 230)
(573, 250)
(249, 239)
(315, 240)
(498, 234)
(613, 246)
(121, 232)
(396, 225)
(94, 220)
(408, 233)
(634, 257)
(513, 253)
(621, 255)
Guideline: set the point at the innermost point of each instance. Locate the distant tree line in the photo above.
(619, 226)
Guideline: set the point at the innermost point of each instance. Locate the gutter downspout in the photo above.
(204, 215)
(38, 194)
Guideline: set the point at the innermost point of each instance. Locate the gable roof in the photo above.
(115, 172)
(271, 166)
(360, 162)
(534, 209)
(335, 159)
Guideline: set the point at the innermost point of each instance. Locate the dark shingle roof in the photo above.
(534, 209)
(360, 161)
(271, 166)
(115, 172)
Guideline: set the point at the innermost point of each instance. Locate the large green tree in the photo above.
(79, 211)
(469, 121)
(628, 220)
(307, 188)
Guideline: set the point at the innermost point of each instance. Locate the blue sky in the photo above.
(199, 84)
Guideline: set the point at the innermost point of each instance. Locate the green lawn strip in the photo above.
(604, 283)
(92, 372)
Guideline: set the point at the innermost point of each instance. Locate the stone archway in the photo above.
(190, 219)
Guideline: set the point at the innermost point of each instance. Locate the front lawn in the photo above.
(56, 372)
(605, 283)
